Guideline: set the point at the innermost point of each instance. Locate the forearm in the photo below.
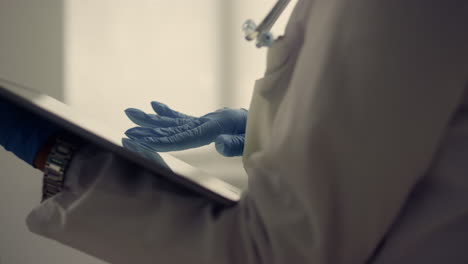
(120, 213)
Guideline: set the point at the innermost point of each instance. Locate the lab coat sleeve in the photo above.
(120, 213)
(373, 91)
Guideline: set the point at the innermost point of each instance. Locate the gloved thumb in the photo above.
(230, 145)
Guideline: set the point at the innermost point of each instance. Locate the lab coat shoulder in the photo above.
(371, 96)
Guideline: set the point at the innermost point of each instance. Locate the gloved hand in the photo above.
(23, 133)
(170, 130)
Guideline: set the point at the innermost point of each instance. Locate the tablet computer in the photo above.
(103, 136)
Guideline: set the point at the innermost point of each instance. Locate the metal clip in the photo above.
(262, 33)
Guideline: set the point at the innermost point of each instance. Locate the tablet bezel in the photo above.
(204, 184)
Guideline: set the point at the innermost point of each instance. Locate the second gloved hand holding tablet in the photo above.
(22, 132)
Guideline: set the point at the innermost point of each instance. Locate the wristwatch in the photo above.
(57, 164)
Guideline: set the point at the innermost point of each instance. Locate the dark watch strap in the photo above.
(57, 165)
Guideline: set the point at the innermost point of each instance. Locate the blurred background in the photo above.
(103, 56)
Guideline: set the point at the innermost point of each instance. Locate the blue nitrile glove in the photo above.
(23, 133)
(170, 130)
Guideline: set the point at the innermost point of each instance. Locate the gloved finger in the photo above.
(164, 110)
(170, 131)
(230, 145)
(193, 138)
(149, 120)
(140, 132)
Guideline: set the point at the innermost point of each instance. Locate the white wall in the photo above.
(31, 43)
(127, 53)
(103, 56)
(190, 55)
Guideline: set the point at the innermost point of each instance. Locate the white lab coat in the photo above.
(356, 152)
